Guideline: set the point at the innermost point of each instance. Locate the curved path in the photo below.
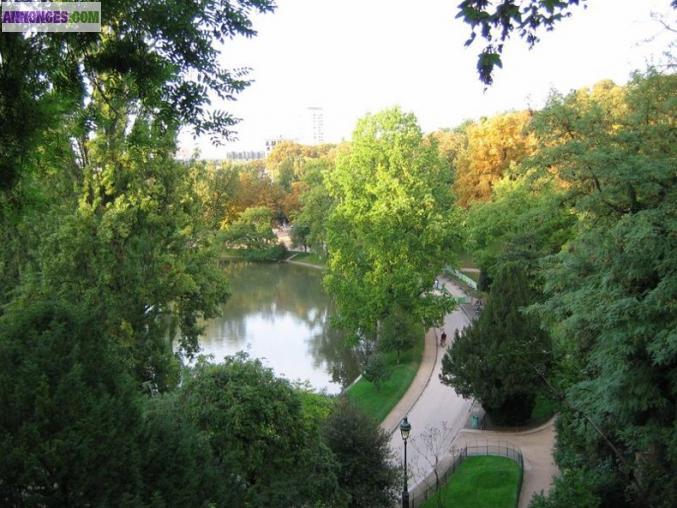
(429, 404)
(438, 414)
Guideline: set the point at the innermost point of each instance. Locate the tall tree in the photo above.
(527, 218)
(69, 413)
(366, 475)
(391, 229)
(316, 204)
(500, 357)
(164, 51)
(612, 291)
(270, 454)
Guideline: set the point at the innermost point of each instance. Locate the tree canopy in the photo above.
(498, 358)
(391, 228)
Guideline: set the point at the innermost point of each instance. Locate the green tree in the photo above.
(366, 473)
(131, 242)
(497, 359)
(611, 291)
(299, 235)
(316, 204)
(166, 54)
(69, 412)
(252, 230)
(391, 230)
(270, 454)
(178, 465)
(218, 187)
(377, 369)
(253, 233)
(527, 219)
(399, 332)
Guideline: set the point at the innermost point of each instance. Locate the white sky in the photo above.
(351, 57)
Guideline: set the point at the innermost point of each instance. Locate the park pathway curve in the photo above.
(430, 405)
(438, 415)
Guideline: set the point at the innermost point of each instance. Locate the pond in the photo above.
(280, 314)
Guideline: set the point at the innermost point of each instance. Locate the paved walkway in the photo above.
(301, 263)
(436, 408)
(437, 415)
(418, 385)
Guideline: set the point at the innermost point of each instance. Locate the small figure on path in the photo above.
(443, 339)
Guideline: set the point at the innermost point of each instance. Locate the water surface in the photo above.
(280, 314)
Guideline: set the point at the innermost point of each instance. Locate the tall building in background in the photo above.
(316, 125)
(271, 142)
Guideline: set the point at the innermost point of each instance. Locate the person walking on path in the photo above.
(443, 339)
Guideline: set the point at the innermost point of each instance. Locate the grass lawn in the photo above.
(543, 410)
(231, 253)
(309, 257)
(473, 275)
(481, 482)
(378, 403)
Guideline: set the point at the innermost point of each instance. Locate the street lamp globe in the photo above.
(405, 428)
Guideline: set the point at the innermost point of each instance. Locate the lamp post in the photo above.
(405, 428)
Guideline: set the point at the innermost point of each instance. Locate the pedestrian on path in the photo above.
(443, 339)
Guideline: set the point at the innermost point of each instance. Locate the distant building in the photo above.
(246, 155)
(270, 144)
(316, 125)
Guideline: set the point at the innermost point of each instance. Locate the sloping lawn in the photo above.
(309, 257)
(377, 403)
(480, 482)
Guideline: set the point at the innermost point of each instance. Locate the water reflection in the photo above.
(280, 313)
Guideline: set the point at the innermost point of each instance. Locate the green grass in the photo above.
(481, 482)
(473, 275)
(378, 403)
(231, 253)
(309, 257)
(544, 409)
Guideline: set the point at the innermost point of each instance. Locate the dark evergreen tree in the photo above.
(178, 466)
(497, 359)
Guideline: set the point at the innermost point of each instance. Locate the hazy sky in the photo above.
(351, 57)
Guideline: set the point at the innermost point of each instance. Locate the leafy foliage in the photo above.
(527, 218)
(377, 370)
(611, 292)
(495, 22)
(163, 53)
(390, 229)
(398, 333)
(255, 426)
(65, 409)
(362, 449)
